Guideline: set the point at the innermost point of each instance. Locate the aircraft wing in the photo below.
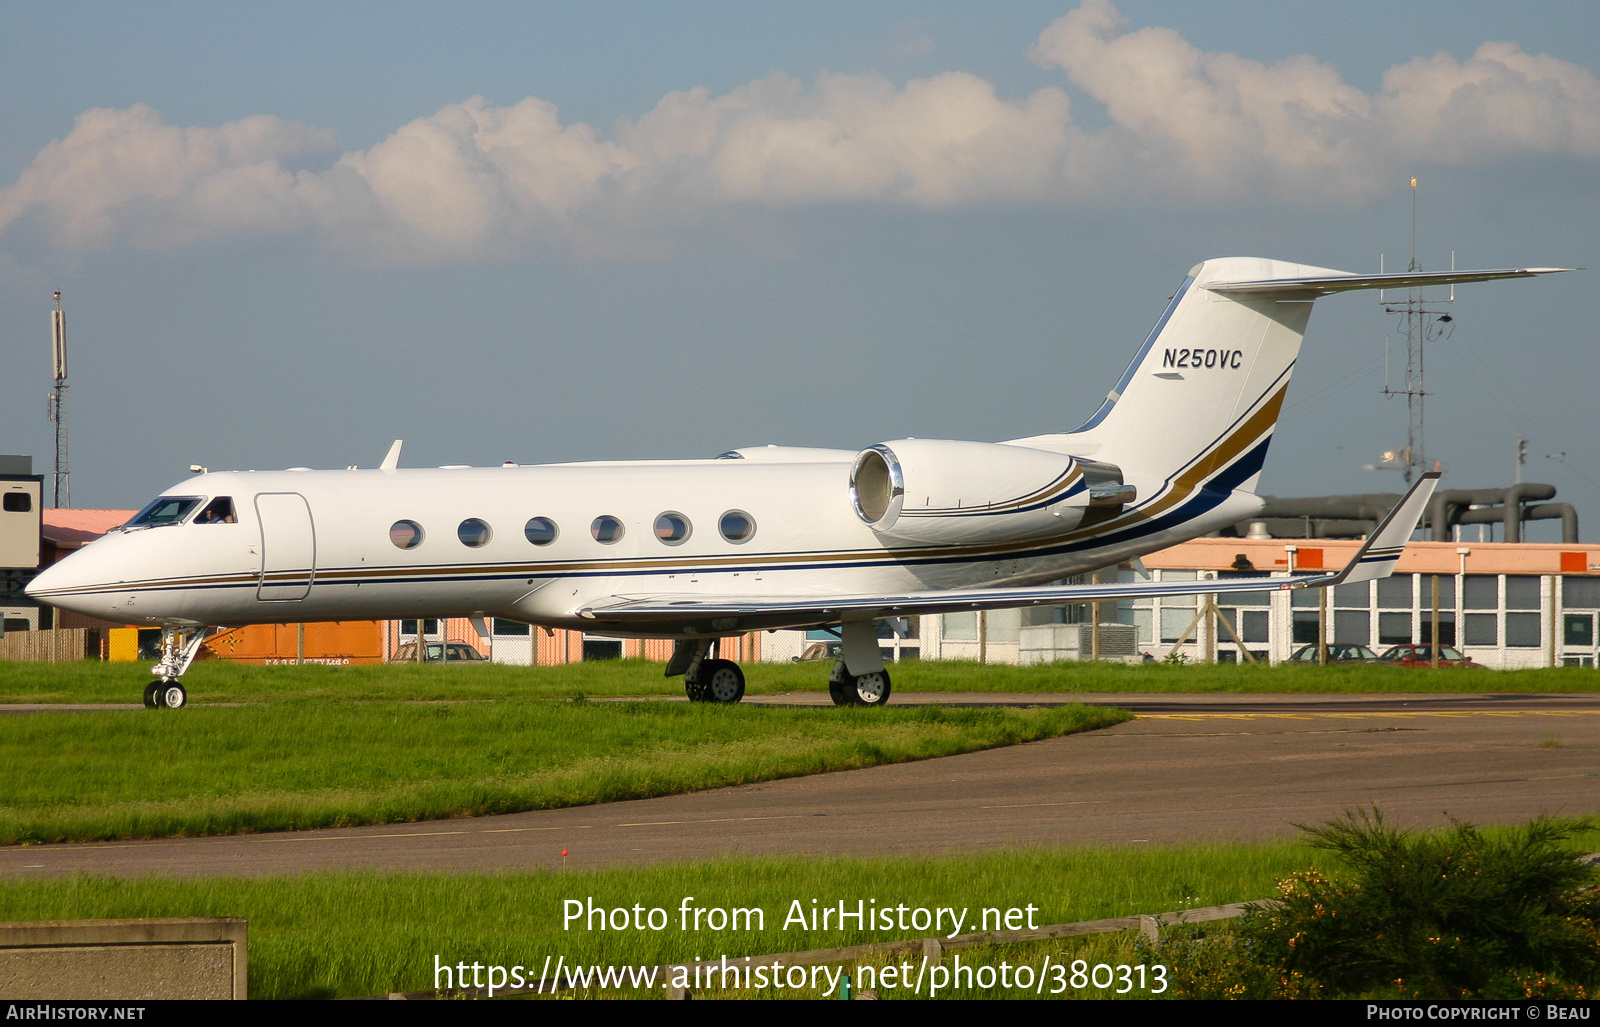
(1375, 559)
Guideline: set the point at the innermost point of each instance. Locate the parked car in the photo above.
(1421, 655)
(818, 651)
(456, 652)
(1337, 653)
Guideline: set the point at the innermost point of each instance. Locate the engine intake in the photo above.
(942, 491)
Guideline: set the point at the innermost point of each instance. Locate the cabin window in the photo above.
(737, 526)
(18, 502)
(606, 529)
(541, 531)
(218, 511)
(474, 533)
(405, 534)
(164, 510)
(672, 528)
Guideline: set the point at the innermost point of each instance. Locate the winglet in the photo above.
(392, 460)
(1381, 551)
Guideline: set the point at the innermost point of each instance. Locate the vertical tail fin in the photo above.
(1198, 404)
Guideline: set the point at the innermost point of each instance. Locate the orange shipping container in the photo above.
(333, 643)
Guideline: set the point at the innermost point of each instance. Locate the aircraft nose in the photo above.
(77, 584)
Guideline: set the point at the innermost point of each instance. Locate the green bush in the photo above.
(1448, 914)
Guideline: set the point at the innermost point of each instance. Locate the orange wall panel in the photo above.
(335, 643)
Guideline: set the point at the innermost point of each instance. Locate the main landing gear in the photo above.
(715, 681)
(178, 650)
(705, 678)
(709, 679)
(847, 689)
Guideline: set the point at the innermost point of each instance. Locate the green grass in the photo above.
(389, 927)
(217, 681)
(307, 763)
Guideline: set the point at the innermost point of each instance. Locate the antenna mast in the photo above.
(1423, 324)
(58, 402)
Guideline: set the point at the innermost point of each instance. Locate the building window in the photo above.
(1481, 592)
(1447, 626)
(1174, 622)
(1394, 628)
(606, 529)
(1447, 592)
(405, 534)
(1353, 627)
(430, 626)
(1305, 598)
(1522, 630)
(1481, 629)
(18, 502)
(1249, 625)
(961, 627)
(1583, 593)
(1394, 593)
(1141, 619)
(510, 627)
(1352, 615)
(1522, 592)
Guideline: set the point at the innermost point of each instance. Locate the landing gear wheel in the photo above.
(838, 686)
(171, 696)
(150, 690)
(722, 681)
(871, 689)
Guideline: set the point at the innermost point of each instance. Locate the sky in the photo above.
(286, 234)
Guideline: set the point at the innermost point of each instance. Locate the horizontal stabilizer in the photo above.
(1375, 559)
(1323, 285)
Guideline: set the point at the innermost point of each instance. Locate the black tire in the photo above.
(171, 696)
(150, 690)
(692, 679)
(722, 681)
(871, 689)
(838, 687)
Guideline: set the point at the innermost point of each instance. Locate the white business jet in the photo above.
(697, 550)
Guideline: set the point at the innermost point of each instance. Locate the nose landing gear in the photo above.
(178, 650)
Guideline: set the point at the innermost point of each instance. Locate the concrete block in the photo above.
(176, 958)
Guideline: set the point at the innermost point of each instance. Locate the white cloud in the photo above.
(127, 171)
(1185, 126)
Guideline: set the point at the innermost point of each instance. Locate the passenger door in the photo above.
(288, 547)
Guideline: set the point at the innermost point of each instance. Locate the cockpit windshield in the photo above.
(164, 510)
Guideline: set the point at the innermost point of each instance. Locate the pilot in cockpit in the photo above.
(218, 511)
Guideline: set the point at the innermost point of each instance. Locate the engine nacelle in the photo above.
(940, 491)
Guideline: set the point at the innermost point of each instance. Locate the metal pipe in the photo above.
(1551, 511)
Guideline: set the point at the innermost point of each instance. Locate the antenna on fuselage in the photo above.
(392, 460)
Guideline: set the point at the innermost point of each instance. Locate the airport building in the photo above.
(1505, 605)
